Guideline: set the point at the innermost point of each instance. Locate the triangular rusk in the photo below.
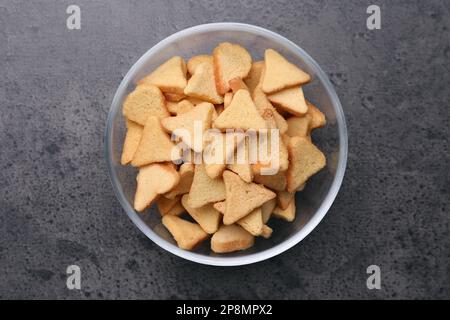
(219, 110)
(144, 101)
(291, 100)
(131, 143)
(241, 162)
(266, 231)
(186, 173)
(254, 76)
(280, 73)
(173, 97)
(187, 234)
(176, 210)
(271, 161)
(153, 180)
(218, 151)
(207, 217)
(231, 238)
(305, 160)
(287, 214)
(202, 86)
(194, 101)
(220, 206)
(181, 107)
(172, 107)
(253, 222)
(275, 182)
(230, 61)
(155, 145)
(227, 98)
(244, 170)
(237, 84)
(169, 77)
(189, 126)
(240, 114)
(299, 126)
(205, 190)
(242, 197)
(195, 61)
(164, 204)
(317, 117)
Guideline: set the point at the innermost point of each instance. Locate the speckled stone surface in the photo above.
(57, 203)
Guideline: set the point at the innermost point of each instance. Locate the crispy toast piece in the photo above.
(268, 112)
(268, 158)
(253, 222)
(266, 231)
(187, 234)
(244, 170)
(254, 76)
(143, 102)
(230, 61)
(194, 101)
(184, 125)
(220, 206)
(291, 100)
(186, 173)
(242, 197)
(299, 126)
(196, 61)
(287, 214)
(267, 209)
(131, 143)
(205, 190)
(181, 107)
(216, 163)
(154, 146)
(231, 238)
(202, 85)
(164, 204)
(170, 77)
(274, 182)
(153, 180)
(284, 198)
(176, 210)
(317, 117)
(240, 114)
(227, 98)
(305, 160)
(207, 217)
(280, 74)
(219, 109)
(242, 166)
(237, 84)
(215, 170)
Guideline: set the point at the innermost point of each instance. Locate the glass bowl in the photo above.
(321, 190)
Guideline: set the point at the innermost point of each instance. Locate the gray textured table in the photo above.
(58, 207)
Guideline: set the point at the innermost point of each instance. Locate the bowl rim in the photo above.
(278, 248)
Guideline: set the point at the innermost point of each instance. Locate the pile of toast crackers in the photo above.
(231, 203)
